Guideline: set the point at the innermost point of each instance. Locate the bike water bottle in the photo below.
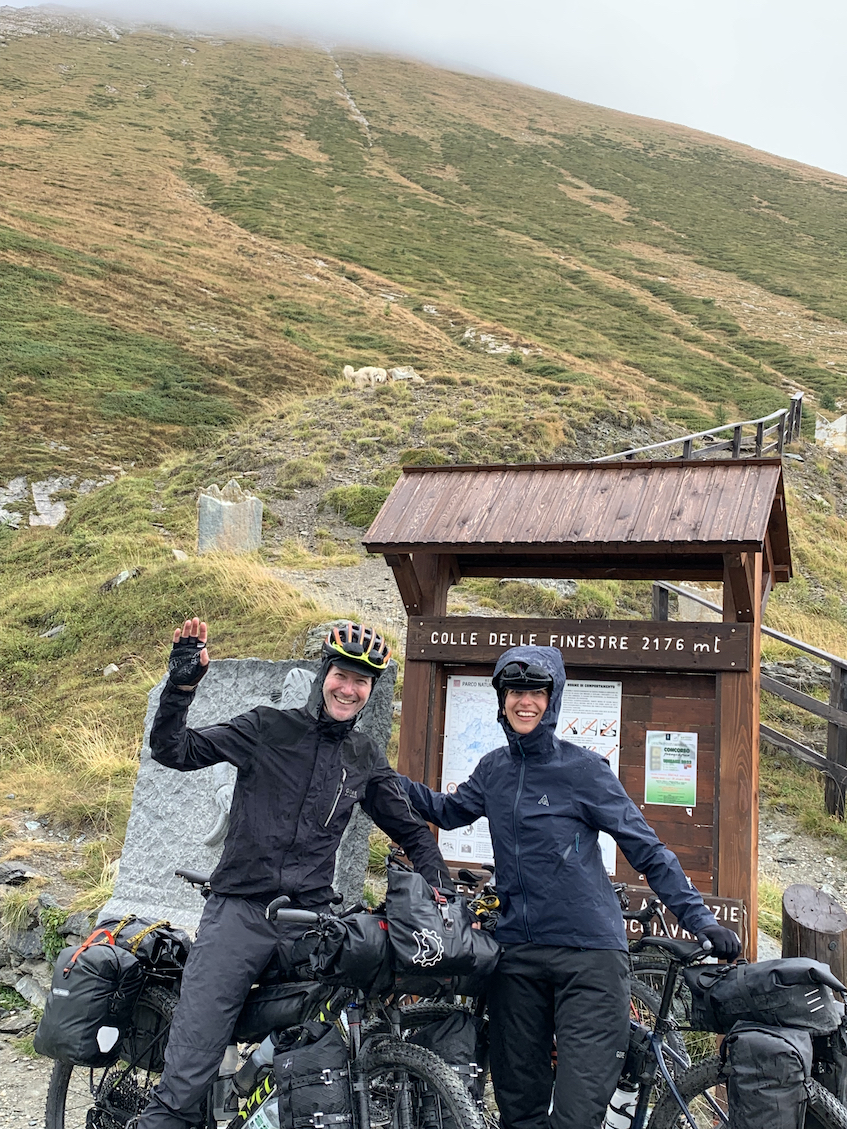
(248, 1076)
(621, 1111)
(224, 1098)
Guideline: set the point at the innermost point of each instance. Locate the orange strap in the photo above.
(105, 938)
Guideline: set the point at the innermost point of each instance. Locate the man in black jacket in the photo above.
(299, 774)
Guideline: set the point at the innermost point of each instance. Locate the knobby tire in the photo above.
(436, 1098)
(823, 1112)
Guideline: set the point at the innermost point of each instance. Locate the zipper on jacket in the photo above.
(517, 844)
(338, 792)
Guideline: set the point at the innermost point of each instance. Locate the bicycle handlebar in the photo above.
(276, 911)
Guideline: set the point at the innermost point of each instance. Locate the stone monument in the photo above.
(179, 819)
(228, 520)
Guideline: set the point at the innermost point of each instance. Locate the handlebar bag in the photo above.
(793, 992)
(159, 945)
(312, 1077)
(89, 1007)
(430, 930)
(353, 952)
(768, 1071)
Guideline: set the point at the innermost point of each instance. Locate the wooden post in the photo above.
(433, 575)
(814, 925)
(836, 740)
(660, 603)
(737, 785)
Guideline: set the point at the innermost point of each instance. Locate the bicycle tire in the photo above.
(413, 1088)
(75, 1092)
(652, 970)
(824, 1111)
(644, 1008)
(413, 1016)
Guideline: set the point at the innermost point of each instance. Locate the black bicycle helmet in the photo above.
(358, 648)
(521, 676)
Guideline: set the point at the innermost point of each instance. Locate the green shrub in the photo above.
(357, 504)
(299, 473)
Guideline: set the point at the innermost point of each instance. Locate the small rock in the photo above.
(111, 669)
(31, 990)
(179, 555)
(32, 825)
(826, 888)
(777, 837)
(17, 1022)
(13, 874)
(121, 578)
(57, 630)
(10, 796)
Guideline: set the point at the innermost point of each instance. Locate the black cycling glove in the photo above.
(726, 945)
(184, 668)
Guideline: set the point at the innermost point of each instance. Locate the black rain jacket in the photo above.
(299, 774)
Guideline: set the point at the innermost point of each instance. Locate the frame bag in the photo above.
(430, 930)
(313, 1079)
(794, 992)
(89, 1007)
(769, 1070)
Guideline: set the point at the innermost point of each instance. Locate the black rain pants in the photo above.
(234, 944)
(581, 996)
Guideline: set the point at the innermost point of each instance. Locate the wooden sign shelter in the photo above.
(718, 520)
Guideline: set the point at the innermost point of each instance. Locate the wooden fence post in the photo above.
(836, 740)
(660, 603)
(814, 925)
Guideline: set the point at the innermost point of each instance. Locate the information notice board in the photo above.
(590, 715)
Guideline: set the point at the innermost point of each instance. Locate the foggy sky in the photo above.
(769, 73)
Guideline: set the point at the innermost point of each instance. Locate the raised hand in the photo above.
(189, 659)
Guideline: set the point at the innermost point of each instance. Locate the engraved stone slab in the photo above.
(178, 819)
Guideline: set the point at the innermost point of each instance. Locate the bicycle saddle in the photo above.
(680, 950)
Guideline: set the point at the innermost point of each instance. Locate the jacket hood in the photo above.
(549, 659)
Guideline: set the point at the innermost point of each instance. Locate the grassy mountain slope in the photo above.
(165, 198)
(196, 234)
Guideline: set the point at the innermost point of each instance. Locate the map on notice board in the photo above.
(590, 716)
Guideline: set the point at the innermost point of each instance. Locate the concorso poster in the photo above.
(590, 716)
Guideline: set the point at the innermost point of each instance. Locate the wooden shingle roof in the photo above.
(575, 510)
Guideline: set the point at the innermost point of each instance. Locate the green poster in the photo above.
(670, 772)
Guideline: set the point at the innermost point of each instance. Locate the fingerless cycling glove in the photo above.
(184, 668)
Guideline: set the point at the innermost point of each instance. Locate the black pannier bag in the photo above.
(312, 1077)
(353, 952)
(830, 1061)
(160, 946)
(272, 1006)
(793, 992)
(430, 930)
(460, 1040)
(768, 1071)
(89, 1007)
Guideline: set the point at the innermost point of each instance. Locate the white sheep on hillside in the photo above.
(367, 377)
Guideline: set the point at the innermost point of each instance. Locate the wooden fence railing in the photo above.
(750, 438)
(834, 765)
